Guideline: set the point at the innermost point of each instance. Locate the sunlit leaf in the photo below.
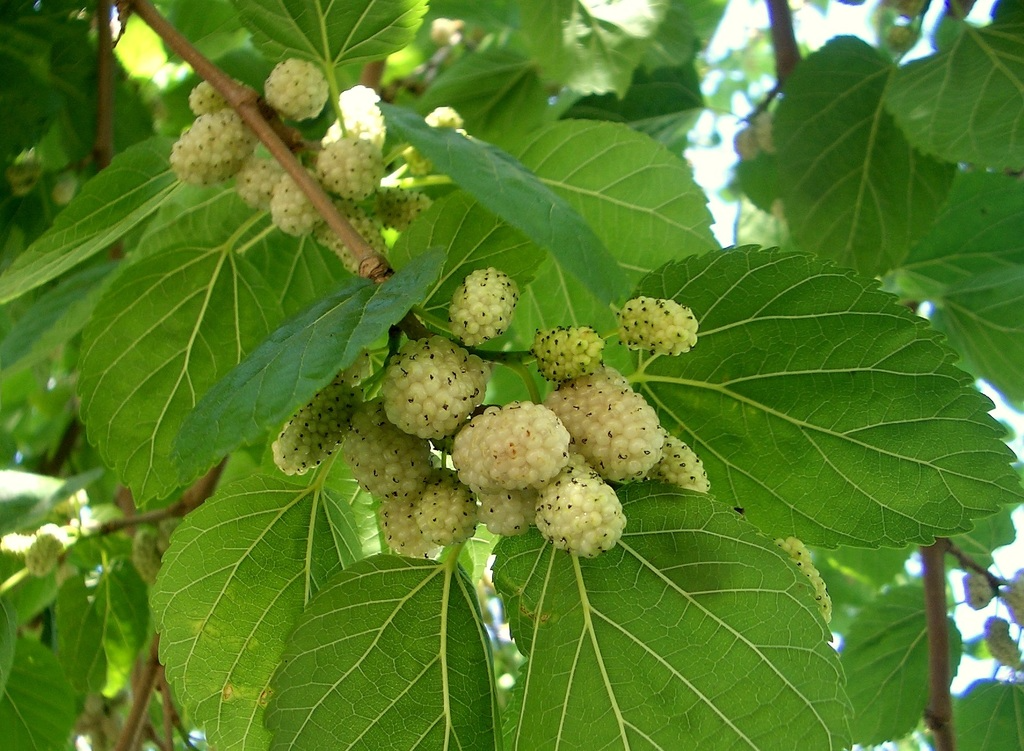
(37, 707)
(990, 717)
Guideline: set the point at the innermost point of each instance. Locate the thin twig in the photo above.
(372, 74)
(171, 719)
(53, 464)
(253, 112)
(787, 54)
(969, 564)
(132, 729)
(938, 715)
(200, 490)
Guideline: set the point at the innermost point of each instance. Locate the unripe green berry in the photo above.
(146, 554)
(566, 353)
(659, 325)
(45, 551)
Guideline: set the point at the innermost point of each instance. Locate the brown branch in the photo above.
(372, 73)
(171, 719)
(193, 497)
(246, 102)
(938, 715)
(787, 54)
(133, 725)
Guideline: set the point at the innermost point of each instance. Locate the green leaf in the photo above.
(120, 598)
(37, 708)
(990, 717)
(137, 181)
(80, 637)
(885, 656)
(392, 654)
(822, 407)
(297, 360)
(589, 45)
(169, 326)
(8, 636)
(693, 632)
(964, 104)
(474, 238)
(332, 32)
(238, 573)
(982, 318)
(298, 270)
(638, 197)
(496, 90)
(663, 103)
(57, 316)
(976, 232)
(854, 189)
(988, 534)
(502, 185)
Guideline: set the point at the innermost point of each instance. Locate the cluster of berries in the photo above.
(978, 594)
(441, 462)
(348, 162)
(801, 556)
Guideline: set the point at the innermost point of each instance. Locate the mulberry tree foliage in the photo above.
(377, 368)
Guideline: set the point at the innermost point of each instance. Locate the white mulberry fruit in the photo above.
(213, 149)
(204, 99)
(397, 208)
(255, 181)
(517, 446)
(508, 512)
(801, 556)
(1013, 596)
(297, 89)
(658, 325)
(978, 592)
(386, 461)
(579, 512)
(680, 466)
(350, 167)
(46, 549)
(290, 209)
(482, 306)
(431, 387)
(361, 117)
(315, 431)
(146, 554)
(397, 517)
(444, 117)
(612, 426)
(1000, 644)
(567, 352)
(446, 511)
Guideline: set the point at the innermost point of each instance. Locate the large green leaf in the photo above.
(332, 32)
(169, 326)
(966, 103)
(238, 573)
(298, 270)
(988, 534)
(391, 654)
(110, 204)
(990, 717)
(54, 318)
(822, 407)
(693, 632)
(26, 499)
(855, 191)
(8, 636)
(592, 46)
(885, 657)
(37, 708)
(503, 186)
(475, 238)
(297, 360)
(978, 231)
(982, 318)
(639, 198)
(80, 637)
